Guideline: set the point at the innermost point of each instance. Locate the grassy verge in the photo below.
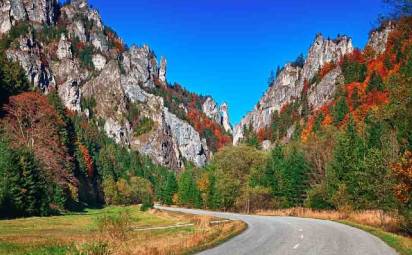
(235, 229)
(402, 244)
(112, 230)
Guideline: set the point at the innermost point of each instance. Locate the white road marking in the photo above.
(300, 230)
(296, 246)
(301, 236)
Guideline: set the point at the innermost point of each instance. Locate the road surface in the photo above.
(293, 236)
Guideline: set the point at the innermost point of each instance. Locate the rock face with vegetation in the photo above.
(292, 80)
(69, 49)
(217, 113)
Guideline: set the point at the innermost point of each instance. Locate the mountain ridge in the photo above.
(83, 55)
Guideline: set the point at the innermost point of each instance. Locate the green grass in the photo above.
(91, 233)
(401, 244)
(56, 234)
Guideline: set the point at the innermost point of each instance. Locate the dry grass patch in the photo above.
(371, 218)
(113, 230)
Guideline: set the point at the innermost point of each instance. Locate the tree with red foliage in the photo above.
(31, 122)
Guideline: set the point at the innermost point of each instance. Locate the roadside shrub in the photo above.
(115, 226)
(317, 198)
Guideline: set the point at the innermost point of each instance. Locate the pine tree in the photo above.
(28, 189)
(213, 199)
(346, 163)
(8, 166)
(170, 189)
(375, 83)
(340, 110)
(188, 193)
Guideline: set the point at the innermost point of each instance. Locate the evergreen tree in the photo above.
(213, 198)
(355, 98)
(340, 110)
(170, 189)
(375, 83)
(28, 189)
(347, 161)
(188, 193)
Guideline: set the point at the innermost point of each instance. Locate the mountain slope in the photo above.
(313, 83)
(68, 49)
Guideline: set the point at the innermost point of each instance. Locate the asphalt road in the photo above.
(289, 235)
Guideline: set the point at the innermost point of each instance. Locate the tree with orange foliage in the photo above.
(88, 160)
(403, 173)
(403, 190)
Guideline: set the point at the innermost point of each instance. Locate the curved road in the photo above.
(293, 236)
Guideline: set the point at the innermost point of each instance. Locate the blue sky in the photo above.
(227, 48)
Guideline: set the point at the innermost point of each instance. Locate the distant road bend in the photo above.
(268, 235)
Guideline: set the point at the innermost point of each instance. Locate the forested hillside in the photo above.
(87, 121)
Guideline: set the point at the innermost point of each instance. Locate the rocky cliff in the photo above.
(293, 80)
(69, 49)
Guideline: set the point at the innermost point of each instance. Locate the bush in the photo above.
(86, 56)
(145, 126)
(317, 198)
(115, 226)
(134, 191)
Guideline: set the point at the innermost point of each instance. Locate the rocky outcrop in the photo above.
(289, 84)
(378, 38)
(140, 66)
(217, 113)
(30, 55)
(190, 145)
(171, 140)
(64, 48)
(35, 11)
(324, 91)
(111, 105)
(162, 69)
(99, 61)
(69, 76)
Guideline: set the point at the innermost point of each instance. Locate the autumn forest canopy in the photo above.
(353, 153)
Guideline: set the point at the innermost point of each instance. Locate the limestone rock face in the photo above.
(99, 61)
(323, 92)
(140, 65)
(324, 51)
(217, 113)
(69, 76)
(190, 145)
(36, 11)
(225, 121)
(289, 83)
(211, 110)
(28, 54)
(171, 139)
(64, 48)
(110, 99)
(162, 69)
(378, 39)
